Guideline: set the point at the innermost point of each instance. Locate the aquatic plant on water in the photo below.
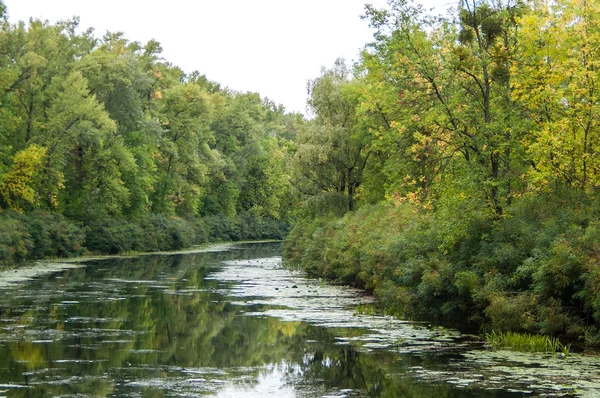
(366, 309)
(526, 342)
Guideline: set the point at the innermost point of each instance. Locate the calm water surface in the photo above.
(234, 323)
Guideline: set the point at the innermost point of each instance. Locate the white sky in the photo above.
(272, 47)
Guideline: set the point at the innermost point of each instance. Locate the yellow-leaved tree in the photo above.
(558, 80)
(18, 186)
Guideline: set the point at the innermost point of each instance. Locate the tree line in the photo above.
(107, 146)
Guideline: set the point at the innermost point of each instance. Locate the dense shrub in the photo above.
(55, 236)
(48, 234)
(38, 235)
(112, 236)
(160, 233)
(245, 226)
(201, 230)
(16, 243)
(274, 229)
(534, 269)
(221, 229)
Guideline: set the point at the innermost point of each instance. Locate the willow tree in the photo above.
(333, 149)
(184, 154)
(84, 160)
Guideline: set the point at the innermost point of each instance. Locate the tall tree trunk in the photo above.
(350, 191)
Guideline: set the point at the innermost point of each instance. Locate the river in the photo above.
(232, 322)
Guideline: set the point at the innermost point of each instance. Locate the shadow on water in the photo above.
(212, 324)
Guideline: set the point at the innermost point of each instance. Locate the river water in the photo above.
(232, 322)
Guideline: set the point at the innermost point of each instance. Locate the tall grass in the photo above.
(526, 342)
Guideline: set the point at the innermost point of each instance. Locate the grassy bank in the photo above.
(535, 269)
(45, 234)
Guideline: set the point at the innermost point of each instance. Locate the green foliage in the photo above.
(107, 147)
(16, 242)
(112, 236)
(18, 185)
(245, 226)
(38, 235)
(55, 236)
(479, 201)
(167, 233)
(332, 150)
(453, 171)
(533, 270)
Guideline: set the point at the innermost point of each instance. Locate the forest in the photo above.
(453, 170)
(107, 147)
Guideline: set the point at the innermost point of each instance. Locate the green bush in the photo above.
(167, 233)
(113, 236)
(16, 242)
(42, 234)
(38, 235)
(274, 229)
(221, 228)
(245, 226)
(55, 236)
(201, 231)
(535, 269)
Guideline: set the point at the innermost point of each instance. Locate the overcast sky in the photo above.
(267, 46)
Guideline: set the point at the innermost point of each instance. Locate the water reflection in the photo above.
(143, 325)
(187, 325)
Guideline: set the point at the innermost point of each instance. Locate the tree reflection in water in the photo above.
(155, 326)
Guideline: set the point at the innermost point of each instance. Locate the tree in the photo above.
(410, 95)
(488, 39)
(128, 80)
(3, 11)
(19, 185)
(333, 150)
(558, 84)
(82, 152)
(444, 95)
(185, 114)
(43, 54)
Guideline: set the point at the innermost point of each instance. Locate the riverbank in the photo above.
(535, 269)
(39, 235)
(235, 322)
(29, 270)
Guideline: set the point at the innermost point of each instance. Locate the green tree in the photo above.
(77, 134)
(185, 114)
(333, 150)
(444, 95)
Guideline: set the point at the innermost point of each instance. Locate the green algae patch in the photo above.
(15, 276)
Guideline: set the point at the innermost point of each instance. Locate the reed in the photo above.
(526, 342)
